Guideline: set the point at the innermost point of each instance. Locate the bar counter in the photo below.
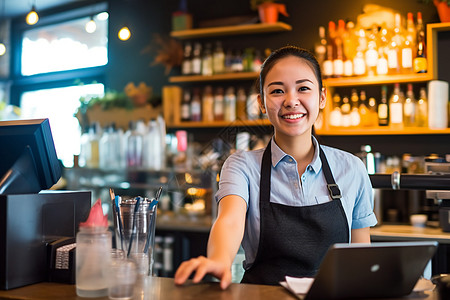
(164, 288)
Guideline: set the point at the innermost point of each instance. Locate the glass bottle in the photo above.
(409, 107)
(230, 105)
(345, 111)
(218, 59)
(320, 48)
(93, 153)
(350, 45)
(93, 258)
(409, 44)
(207, 104)
(331, 49)
(257, 61)
(364, 110)
(207, 61)
(218, 104)
(338, 62)
(135, 144)
(237, 64)
(196, 106)
(420, 63)
(422, 109)
(359, 63)
(241, 101)
(395, 47)
(197, 59)
(371, 55)
(186, 66)
(354, 114)
(336, 115)
(383, 108)
(252, 105)
(373, 114)
(396, 107)
(186, 106)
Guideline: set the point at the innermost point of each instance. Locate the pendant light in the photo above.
(90, 26)
(32, 17)
(124, 33)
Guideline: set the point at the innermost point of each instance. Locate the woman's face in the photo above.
(291, 97)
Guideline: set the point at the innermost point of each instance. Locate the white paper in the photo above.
(298, 286)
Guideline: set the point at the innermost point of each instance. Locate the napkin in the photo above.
(96, 217)
(298, 286)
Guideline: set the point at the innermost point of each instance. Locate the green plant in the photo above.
(255, 3)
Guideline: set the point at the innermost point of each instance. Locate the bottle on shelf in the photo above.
(207, 61)
(207, 104)
(252, 105)
(396, 107)
(230, 105)
(420, 61)
(92, 160)
(422, 109)
(229, 61)
(218, 104)
(336, 115)
(395, 47)
(196, 106)
(382, 64)
(383, 108)
(247, 60)
(373, 113)
(349, 48)
(408, 46)
(257, 61)
(345, 111)
(135, 144)
(237, 64)
(241, 101)
(359, 63)
(186, 66)
(371, 55)
(355, 118)
(331, 50)
(186, 106)
(338, 62)
(218, 59)
(320, 48)
(363, 110)
(197, 59)
(409, 107)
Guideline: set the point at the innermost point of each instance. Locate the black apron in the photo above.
(293, 240)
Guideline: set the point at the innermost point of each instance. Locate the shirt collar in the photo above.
(278, 155)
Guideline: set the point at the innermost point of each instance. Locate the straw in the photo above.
(118, 219)
(153, 209)
(133, 234)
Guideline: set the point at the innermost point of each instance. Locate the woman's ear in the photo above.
(323, 98)
(261, 104)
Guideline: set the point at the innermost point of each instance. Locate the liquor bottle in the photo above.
(207, 61)
(218, 104)
(371, 55)
(252, 105)
(422, 109)
(359, 63)
(257, 61)
(420, 61)
(331, 49)
(196, 106)
(364, 111)
(241, 101)
(218, 59)
(396, 107)
(237, 64)
(338, 62)
(336, 115)
(186, 66)
(207, 104)
(320, 48)
(409, 44)
(345, 111)
(373, 113)
(382, 65)
(349, 45)
(355, 118)
(230, 105)
(409, 107)
(186, 106)
(197, 59)
(229, 61)
(395, 47)
(383, 108)
(247, 60)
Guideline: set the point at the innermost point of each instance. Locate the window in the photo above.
(56, 55)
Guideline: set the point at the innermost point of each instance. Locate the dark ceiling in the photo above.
(15, 8)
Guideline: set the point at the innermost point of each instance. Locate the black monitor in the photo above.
(28, 160)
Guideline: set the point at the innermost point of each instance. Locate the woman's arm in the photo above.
(361, 235)
(223, 244)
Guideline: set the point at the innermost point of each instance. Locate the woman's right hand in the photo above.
(202, 266)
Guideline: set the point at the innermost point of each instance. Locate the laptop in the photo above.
(376, 270)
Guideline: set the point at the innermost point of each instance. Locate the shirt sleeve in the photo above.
(363, 215)
(234, 179)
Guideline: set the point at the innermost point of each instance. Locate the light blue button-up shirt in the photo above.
(240, 175)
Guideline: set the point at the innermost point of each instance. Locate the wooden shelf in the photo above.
(381, 131)
(231, 30)
(237, 123)
(216, 77)
(379, 79)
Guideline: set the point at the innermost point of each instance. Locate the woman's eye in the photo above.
(277, 91)
(304, 88)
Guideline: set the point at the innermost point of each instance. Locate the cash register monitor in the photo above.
(28, 160)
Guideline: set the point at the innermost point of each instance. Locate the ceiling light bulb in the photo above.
(32, 16)
(90, 26)
(124, 33)
(2, 49)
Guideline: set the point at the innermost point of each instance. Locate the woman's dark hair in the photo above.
(285, 52)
